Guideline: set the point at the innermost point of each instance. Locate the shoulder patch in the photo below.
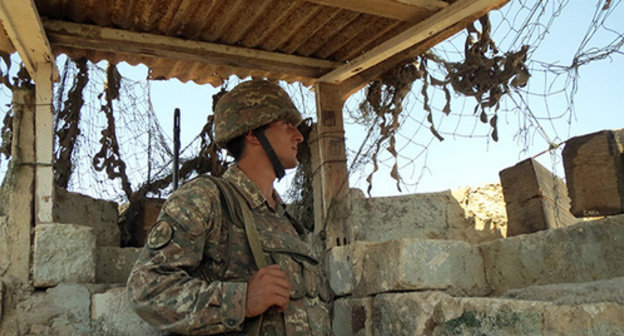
(159, 235)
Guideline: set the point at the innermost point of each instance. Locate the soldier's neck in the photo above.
(261, 176)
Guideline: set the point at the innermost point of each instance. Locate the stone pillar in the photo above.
(331, 185)
(44, 139)
(17, 190)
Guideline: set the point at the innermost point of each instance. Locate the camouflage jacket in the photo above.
(191, 277)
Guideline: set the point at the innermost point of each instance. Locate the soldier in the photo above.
(196, 274)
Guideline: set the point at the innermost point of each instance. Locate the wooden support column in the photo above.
(44, 138)
(23, 25)
(331, 185)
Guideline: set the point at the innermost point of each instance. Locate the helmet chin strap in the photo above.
(277, 165)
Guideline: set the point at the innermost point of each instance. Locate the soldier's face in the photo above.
(284, 137)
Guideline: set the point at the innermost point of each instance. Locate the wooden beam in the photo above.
(331, 179)
(23, 26)
(445, 19)
(80, 36)
(404, 10)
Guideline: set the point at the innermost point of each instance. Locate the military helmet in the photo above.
(250, 105)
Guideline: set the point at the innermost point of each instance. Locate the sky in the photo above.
(467, 156)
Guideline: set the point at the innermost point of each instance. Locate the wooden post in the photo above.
(535, 198)
(331, 185)
(594, 169)
(44, 139)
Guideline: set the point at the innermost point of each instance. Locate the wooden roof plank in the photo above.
(459, 11)
(80, 36)
(404, 10)
(22, 24)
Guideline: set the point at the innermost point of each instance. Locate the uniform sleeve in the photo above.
(160, 287)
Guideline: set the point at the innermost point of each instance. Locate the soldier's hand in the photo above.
(268, 287)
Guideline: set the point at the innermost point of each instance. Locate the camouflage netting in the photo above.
(109, 143)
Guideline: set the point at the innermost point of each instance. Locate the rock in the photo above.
(63, 253)
(586, 251)
(113, 264)
(112, 315)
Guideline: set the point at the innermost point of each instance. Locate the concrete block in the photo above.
(60, 310)
(5, 245)
(584, 252)
(473, 215)
(594, 169)
(113, 264)
(536, 199)
(408, 264)
(1, 298)
(586, 319)
(63, 253)
(353, 317)
(112, 315)
(405, 313)
(611, 290)
(487, 316)
(424, 216)
(345, 263)
(101, 215)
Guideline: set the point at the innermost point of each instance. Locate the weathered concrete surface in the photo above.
(470, 214)
(1, 297)
(353, 316)
(485, 316)
(113, 264)
(16, 192)
(484, 213)
(405, 314)
(61, 310)
(611, 290)
(101, 215)
(436, 313)
(63, 253)
(586, 251)
(408, 264)
(112, 315)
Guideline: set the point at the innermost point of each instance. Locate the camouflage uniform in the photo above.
(191, 277)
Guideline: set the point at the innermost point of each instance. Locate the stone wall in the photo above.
(428, 264)
(473, 215)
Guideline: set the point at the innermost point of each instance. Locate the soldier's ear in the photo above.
(251, 138)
